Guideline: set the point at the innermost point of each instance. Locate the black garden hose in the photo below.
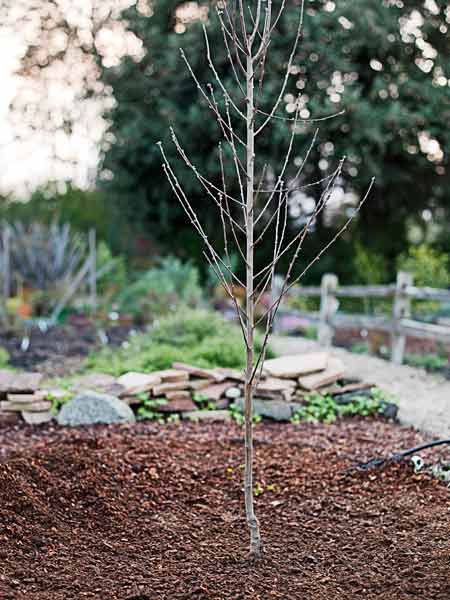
(398, 456)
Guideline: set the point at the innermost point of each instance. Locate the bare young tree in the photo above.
(260, 209)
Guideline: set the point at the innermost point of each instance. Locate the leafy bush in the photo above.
(4, 358)
(199, 337)
(161, 289)
(370, 267)
(428, 266)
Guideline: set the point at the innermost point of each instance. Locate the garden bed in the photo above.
(60, 350)
(149, 512)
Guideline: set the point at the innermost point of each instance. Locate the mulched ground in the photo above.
(151, 512)
(60, 350)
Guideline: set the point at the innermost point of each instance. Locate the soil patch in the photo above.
(155, 513)
(60, 350)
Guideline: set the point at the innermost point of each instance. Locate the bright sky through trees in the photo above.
(53, 131)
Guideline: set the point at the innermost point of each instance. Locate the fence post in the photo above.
(6, 267)
(328, 308)
(93, 270)
(400, 309)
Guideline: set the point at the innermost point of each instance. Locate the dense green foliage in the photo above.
(197, 337)
(82, 209)
(384, 63)
(428, 266)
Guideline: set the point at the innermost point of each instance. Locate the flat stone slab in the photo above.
(216, 391)
(178, 405)
(137, 383)
(294, 366)
(89, 408)
(37, 418)
(171, 375)
(335, 370)
(10, 381)
(165, 388)
(199, 372)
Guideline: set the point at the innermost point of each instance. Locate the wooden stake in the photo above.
(328, 308)
(93, 270)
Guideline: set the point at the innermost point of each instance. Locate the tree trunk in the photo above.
(255, 538)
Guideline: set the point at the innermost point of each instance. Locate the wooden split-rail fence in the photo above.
(399, 324)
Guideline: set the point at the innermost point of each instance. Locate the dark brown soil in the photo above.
(151, 513)
(60, 350)
(346, 338)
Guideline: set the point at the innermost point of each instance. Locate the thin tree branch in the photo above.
(224, 184)
(217, 78)
(179, 192)
(314, 120)
(281, 175)
(288, 69)
(209, 103)
(204, 182)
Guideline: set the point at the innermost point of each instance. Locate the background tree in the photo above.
(383, 63)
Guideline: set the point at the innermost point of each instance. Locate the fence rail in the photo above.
(399, 324)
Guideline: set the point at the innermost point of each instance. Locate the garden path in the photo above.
(423, 398)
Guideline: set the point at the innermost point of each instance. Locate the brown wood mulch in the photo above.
(151, 512)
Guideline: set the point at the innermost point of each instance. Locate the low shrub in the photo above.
(199, 337)
(161, 289)
(429, 267)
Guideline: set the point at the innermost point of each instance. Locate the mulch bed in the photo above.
(60, 350)
(151, 512)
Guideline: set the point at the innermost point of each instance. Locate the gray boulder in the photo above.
(278, 410)
(89, 408)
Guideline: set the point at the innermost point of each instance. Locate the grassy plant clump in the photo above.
(4, 358)
(430, 362)
(360, 348)
(199, 337)
(323, 408)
